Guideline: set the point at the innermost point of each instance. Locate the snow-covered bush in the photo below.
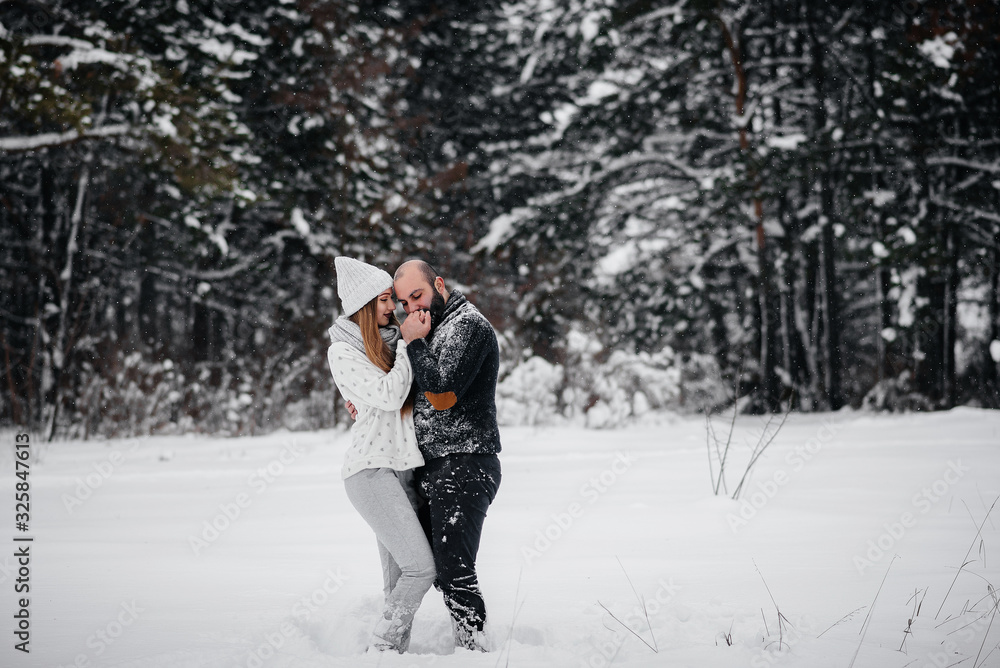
(318, 409)
(896, 395)
(629, 384)
(133, 397)
(137, 396)
(701, 384)
(529, 394)
(604, 389)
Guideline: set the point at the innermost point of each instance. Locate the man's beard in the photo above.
(436, 310)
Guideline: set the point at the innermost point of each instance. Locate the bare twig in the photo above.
(645, 612)
(845, 617)
(983, 501)
(973, 622)
(642, 602)
(782, 620)
(982, 543)
(761, 446)
(865, 624)
(917, 605)
(711, 439)
(965, 560)
(732, 426)
(517, 609)
(995, 648)
(986, 635)
(627, 627)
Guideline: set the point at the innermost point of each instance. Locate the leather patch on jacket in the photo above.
(443, 401)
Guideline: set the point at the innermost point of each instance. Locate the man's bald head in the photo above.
(425, 269)
(418, 286)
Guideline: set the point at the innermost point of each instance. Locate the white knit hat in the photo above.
(358, 283)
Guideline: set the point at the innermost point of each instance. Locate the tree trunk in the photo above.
(831, 335)
(950, 312)
(146, 307)
(60, 346)
(929, 336)
(201, 328)
(793, 349)
(767, 390)
(831, 321)
(992, 371)
(806, 311)
(15, 404)
(46, 239)
(787, 346)
(882, 278)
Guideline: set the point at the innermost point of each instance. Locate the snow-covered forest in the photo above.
(657, 204)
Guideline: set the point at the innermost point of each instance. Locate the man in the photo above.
(455, 358)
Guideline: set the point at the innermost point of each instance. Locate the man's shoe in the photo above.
(471, 639)
(382, 645)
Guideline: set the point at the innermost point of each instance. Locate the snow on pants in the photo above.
(386, 499)
(459, 489)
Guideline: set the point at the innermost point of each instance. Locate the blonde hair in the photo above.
(376, 348)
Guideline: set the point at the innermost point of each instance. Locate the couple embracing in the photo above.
(422, 467)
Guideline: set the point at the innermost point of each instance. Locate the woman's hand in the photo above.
(416, 326)
(352, 409)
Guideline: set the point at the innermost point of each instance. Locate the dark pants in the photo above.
(458, 488)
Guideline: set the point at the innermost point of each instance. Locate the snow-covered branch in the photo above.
(57, 40)
(968, 210)
(222, 274)
(624, 164)
(953, 161)
(48, 139)
(30, 322)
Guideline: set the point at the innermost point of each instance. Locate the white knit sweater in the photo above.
(380, 437)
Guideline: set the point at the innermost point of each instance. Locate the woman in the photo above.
(370, 366)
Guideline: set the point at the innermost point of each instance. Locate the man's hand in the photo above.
(352, 409)
(416, 326)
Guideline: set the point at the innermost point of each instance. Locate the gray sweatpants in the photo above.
(387, 499)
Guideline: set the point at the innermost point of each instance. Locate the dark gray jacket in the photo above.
(455, 369)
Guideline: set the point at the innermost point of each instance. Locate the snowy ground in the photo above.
(127, 570)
